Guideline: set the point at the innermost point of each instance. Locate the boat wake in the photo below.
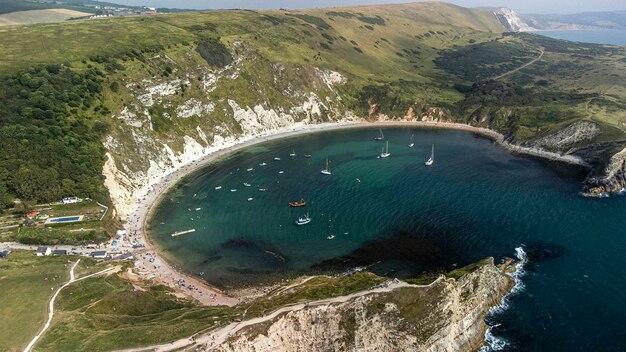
(495, 343)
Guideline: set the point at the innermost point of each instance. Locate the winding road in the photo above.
(521, 67)
(51, 304)
(212, 339)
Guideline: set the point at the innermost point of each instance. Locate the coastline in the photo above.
(165, 272)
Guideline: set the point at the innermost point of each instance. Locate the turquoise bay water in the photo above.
(404, 218)
(600, 36)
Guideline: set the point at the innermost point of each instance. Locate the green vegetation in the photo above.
(460, 272)
(105, 314)
(25, 282)
(319, 287)
(50, 134)
(102, 314)
(481, 61)
(108, 313)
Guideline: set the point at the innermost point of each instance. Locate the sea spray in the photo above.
(492, 342)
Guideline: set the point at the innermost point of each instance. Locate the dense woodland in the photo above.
(50, 137)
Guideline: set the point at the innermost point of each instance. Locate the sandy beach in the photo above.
(155, 266)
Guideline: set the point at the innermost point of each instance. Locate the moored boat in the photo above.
(381, 136)
(300, 203)
(431, 160)
(326, 171)
(303, 220)
(385, 152)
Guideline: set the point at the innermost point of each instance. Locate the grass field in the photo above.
(25, 287)
(39, 16)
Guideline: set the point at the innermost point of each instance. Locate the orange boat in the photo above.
(301, 203)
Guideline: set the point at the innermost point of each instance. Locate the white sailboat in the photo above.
(326, 171)
(293, 153)
(385, 152)
(431, 160)
(381, 136)
(330, 230)
(411, 144)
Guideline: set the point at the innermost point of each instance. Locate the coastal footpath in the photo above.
(445, 315)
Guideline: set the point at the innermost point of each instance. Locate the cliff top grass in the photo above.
(113, 313)
(25, 288)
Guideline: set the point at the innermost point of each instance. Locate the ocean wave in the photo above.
(495, 343)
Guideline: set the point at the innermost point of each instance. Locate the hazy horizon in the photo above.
(521, 6)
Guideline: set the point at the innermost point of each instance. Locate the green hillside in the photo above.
(66, 86)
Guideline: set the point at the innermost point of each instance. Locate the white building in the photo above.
(43, 251)
(70, 200)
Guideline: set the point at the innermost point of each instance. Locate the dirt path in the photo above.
(215, 338)
(521, 67)
(51, 304)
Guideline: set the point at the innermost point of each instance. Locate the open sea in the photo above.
(600, 36)
(401, 218)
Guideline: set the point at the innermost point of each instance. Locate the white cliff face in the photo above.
(193, 107)
(512, 21)
(568, 137)
(452, 320)
(167, 123)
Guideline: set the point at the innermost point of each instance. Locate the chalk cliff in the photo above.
(446, 316)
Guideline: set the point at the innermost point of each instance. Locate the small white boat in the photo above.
(431, 160)
(385, 152)
(218, 188)
(250, 169)
(381, 136)
(198, 209)
(304, 220)
(250, 199)
(262, 164)
(331, 237)
(247, 184)
(411, 144)
(233, 190)
(277, 158)
(262, 189)
(293, 153)
(326, 171)
(281, 172)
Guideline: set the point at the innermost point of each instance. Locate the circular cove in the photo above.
(398, 217)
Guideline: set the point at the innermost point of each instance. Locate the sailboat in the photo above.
(326, 171)
(303, 221)
(431, 160)
(381, 136)
(330, 230)
(293, 153)
(385, 152)
(411, 144)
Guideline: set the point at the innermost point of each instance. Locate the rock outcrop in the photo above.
(568, 137)
(613, 178)
(445, 316)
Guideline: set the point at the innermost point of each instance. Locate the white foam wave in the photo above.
(494, 343)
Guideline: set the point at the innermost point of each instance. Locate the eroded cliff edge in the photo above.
(447, 315)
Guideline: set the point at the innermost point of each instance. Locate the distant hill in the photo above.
(515, 22)
(122, 100)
